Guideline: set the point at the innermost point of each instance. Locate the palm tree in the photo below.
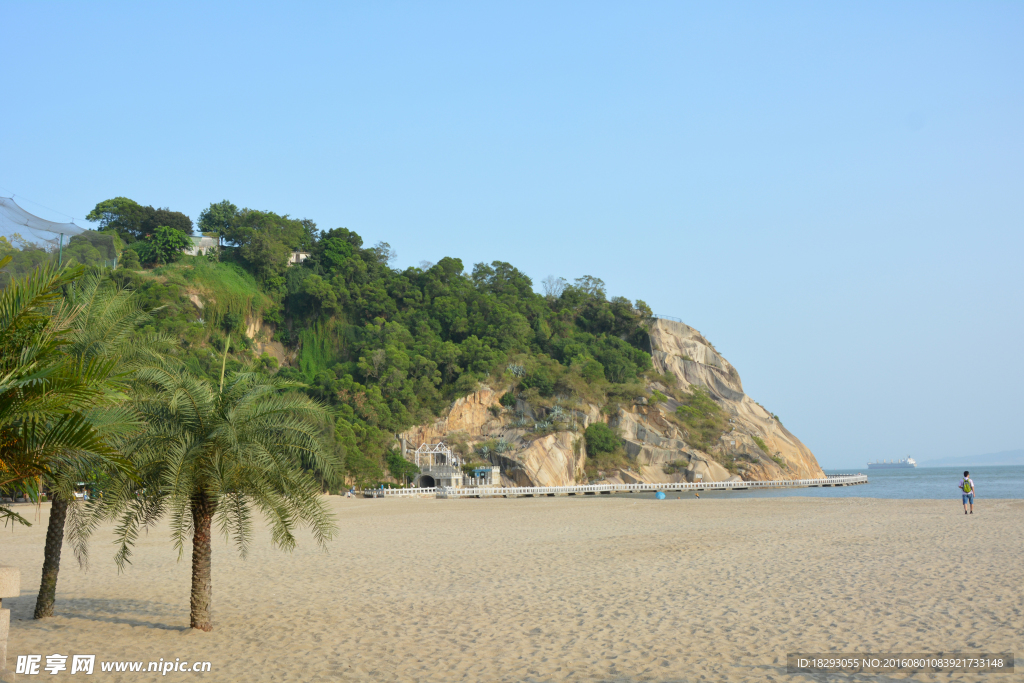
(221, 454)
(105, 334)
(45, 398)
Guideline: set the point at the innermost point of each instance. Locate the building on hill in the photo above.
(202, 245)
(297, 257)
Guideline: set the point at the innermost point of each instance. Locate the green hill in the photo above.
(386, 348)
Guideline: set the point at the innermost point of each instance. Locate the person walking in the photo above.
(967, 489)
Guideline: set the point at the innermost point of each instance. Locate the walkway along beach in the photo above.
(592, 489)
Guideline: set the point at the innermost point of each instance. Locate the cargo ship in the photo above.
(892, 464)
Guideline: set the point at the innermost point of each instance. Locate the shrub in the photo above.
(760, 442)
(541, 380)
(592, 371)
(399, 467)
(508, 399)
(704, 419)
(130, 259)
(601, 439)
(657, 397)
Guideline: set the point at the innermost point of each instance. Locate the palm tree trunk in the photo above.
(202, 551)
(224, 363)
(51, 556)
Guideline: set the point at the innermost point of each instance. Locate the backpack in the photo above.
(967, 485)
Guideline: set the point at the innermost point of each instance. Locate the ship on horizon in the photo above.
(892, 464)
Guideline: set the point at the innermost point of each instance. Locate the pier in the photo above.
(608, 489)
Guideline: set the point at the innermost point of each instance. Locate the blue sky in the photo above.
(831, 192)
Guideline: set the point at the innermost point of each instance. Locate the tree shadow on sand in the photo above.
(149, 613)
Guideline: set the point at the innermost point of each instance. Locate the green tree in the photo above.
(156, 218)
(129, 259)
(132, 221)
(265, 240)
(121, 215)
(400, 468)
(207, 454)
(601, 439)
(168, 244)
(218, 217)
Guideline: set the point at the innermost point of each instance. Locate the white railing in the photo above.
(391, 493)
(493, 491)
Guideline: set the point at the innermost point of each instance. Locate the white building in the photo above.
(201, 245)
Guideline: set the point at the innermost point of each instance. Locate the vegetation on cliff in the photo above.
(384, 348)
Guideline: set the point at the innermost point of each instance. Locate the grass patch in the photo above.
(703, 419)
(675, 466)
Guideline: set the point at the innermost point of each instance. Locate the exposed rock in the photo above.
(673, 344)
(653, 442)
(469, 414)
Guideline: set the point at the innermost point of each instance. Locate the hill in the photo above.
(569, 380)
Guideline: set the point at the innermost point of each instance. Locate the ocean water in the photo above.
(937, 483)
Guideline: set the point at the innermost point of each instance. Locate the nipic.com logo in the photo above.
(86, 664)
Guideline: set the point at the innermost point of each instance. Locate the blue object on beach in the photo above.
(660, 495)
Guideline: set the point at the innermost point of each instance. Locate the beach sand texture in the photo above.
(552, 589)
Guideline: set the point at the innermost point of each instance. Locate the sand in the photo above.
(553, 589)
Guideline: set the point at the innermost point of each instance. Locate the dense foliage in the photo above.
(385, 348)
(132, 221)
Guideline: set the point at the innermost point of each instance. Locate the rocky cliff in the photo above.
(543, 445)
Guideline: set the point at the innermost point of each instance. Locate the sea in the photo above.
(932, 483)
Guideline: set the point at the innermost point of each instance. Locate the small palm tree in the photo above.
(209, 454)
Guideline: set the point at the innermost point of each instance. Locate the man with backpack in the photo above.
(967, 489)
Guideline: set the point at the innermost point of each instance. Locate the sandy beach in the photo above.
(551, 589)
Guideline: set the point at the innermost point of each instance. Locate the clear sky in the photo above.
(833, 193)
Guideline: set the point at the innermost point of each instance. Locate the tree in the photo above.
(156, 218)
(105, 335)
(129, 259)
(218, 217)
(266, 240)
(119, 214)
(553, 286)
(132, 221)
(168, 244)
(48, 398)
(209, 454)
(399, 467)
(593, 286)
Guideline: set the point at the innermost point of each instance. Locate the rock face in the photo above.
(683, 351)
(656, 445)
